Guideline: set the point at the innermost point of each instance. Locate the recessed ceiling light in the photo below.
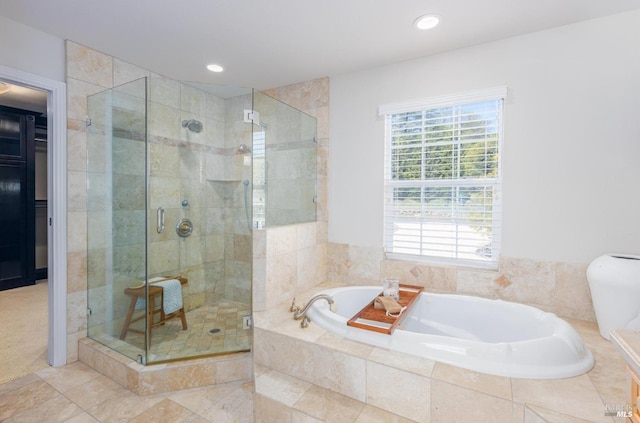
(427, 21)
(215, 68)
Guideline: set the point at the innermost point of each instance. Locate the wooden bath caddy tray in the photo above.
(377, 320)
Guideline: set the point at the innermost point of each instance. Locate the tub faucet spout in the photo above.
(302, 313)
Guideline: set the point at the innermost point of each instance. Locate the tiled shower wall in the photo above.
(201, 170)
(115, 199)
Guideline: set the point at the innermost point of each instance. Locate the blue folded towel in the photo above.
(171, 296)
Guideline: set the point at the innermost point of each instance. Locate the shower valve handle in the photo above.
(160, 220)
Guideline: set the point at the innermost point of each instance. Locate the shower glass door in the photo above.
(197, 180)
(116, 214)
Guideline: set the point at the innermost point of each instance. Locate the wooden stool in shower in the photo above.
(151, 293)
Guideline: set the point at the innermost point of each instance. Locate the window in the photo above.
(443, 178)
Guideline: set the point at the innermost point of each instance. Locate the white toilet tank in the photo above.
(614, 280)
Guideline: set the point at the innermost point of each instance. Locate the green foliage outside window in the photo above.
(449, 144)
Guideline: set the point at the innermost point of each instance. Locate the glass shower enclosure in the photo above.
(179, 176)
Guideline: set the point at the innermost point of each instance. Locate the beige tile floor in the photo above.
(75, 393)
(169, 341)
(24, 331)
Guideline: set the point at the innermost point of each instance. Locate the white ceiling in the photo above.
(270, 43)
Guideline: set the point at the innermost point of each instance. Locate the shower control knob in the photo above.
(184, 228)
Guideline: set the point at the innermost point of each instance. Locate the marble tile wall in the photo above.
(557, 287)
(287, 260)
(115, 199)
(228, 203)
(88, 72)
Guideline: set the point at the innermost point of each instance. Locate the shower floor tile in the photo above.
(212, 329)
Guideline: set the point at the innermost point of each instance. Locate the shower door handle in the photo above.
(160, 220)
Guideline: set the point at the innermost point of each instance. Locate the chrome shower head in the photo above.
(192, 125)
(244, 149)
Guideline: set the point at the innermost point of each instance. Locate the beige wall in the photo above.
(30, 50)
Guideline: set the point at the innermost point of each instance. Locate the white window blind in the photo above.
(442, 178)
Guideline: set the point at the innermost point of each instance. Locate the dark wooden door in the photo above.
(17, 201)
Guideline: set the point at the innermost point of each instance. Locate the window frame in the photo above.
(423, 105)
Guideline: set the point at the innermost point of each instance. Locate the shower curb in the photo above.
(165, 377)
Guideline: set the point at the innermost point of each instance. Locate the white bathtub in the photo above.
(489, 336)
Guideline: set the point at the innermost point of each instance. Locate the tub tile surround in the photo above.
(556, 287)
(295, 367)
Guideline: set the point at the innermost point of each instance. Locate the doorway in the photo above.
(55, 222)
(23, 186)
